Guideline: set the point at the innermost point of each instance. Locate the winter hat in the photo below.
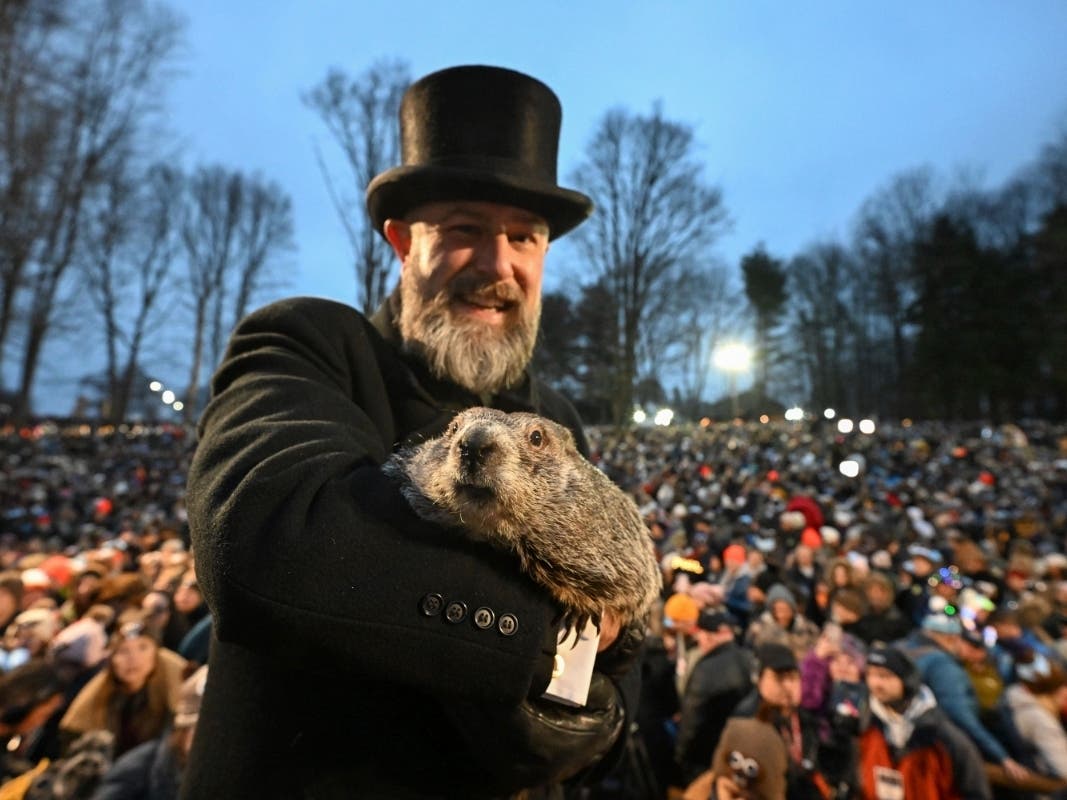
(679, 609)
(734, 554)
(189, 699)
(1038, 674)
(714, 620)
(36, 578)
(942, 623)
(753, 754)
(82, 644)
(900, 664)
(780, 592)
(777, 657)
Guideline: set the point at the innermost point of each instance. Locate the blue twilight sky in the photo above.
(801, 109)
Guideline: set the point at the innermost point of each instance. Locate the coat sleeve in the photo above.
(949, 684)
(971, 780)
(305, 550)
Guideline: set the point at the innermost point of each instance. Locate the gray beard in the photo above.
(473, 355)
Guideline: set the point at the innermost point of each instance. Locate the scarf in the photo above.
(899, 727)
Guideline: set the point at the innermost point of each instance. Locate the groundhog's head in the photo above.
(490, 468)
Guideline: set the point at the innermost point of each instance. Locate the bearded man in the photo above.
(362, 652)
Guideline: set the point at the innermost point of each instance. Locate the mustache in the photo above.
(477, 290)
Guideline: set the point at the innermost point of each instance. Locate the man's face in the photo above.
(884, 685)
(781, 689)
(470, 287)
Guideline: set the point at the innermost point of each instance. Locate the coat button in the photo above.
(431, 604)
(456, 611)
(484, 618)
(508, 624)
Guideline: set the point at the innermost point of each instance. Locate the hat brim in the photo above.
(395, 192)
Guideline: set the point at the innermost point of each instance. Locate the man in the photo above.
(935, 648)
(910, 750)
(883, 621)
(776, 700)
(359, 651)
(720, 679)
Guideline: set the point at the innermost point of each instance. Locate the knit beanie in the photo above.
(780, 592)
(900, 664)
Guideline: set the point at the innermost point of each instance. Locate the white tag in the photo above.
(573, 669)
(888, 784)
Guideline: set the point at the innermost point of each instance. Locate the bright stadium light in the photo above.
(663, 417)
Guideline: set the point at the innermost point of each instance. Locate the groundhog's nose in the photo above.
(474, 447)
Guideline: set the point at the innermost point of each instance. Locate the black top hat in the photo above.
(478, 133)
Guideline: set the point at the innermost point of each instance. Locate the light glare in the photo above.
(844, 425)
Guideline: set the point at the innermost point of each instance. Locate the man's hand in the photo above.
(1016, 771)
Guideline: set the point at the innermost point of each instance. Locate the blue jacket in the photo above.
(955, 695)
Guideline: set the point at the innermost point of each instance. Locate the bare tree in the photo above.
(129, 252)
(95, 83)
(655, 217)
(888, 225)
(361, 116)
(233, 230)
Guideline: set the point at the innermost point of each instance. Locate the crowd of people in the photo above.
(896, 633)
(898, 628)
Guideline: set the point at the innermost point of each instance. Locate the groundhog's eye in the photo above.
(536, 437)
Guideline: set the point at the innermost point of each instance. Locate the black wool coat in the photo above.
(345, 627)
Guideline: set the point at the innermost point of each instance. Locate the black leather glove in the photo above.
(539, 741)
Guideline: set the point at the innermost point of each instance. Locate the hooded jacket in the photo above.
(921, 749)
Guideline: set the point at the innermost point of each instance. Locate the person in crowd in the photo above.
(720, 679)
(189, 605)
(32, 701)
(910, 749)
(168, 625)
(935, 648)
(847, 607)
(135, 696)
(802, 575)
(776, 700)
(10, 598)
(85, 591)
(750, 763)
(883, 621)
(1037, 703)
(836, 658)
(781, 623)
(154, 770)
(397, 659)
(735, 580)
(913, 596)
(986, 680)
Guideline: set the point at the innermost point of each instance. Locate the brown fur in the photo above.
(518, 482)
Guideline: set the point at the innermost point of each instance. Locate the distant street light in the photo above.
(178, 405)
(866, 426)
(829, 413)
(168, 397)
(733, 358)
(155, 386)
(639, 415)
(794, 414)
(663, 417)
(844, 425)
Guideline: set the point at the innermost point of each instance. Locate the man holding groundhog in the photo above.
(362, 652)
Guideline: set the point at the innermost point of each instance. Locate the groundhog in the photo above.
(518, 482)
